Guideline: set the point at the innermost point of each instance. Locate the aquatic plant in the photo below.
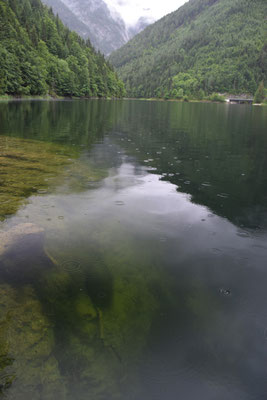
(29, 167)
(26, 167)
(28, 368)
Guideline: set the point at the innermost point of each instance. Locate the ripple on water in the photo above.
(163, 239)
(119, 203)
(216, 250)
(206, 184)
(243, 234)
(42, 191)
(46, 206)
(223, 195)
(72, 265)
(225, 292)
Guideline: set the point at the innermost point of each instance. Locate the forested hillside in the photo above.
(39, 55)
(92, 19)
(205, 46)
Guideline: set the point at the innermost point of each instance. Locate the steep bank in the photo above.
(39, 55)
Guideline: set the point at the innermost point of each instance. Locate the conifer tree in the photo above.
(39, 55)
(260, 93)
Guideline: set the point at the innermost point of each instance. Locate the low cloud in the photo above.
(132, 10)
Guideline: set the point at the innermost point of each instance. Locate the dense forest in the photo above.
(205, 46)
(39, 56)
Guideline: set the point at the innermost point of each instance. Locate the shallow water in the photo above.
(133, 251)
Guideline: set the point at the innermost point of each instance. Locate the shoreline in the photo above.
(4, 98)
(52, 98)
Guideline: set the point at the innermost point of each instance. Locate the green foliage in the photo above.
(260, 94)
(205, 47)
(216, 97)
(185, 83)
(39, 55)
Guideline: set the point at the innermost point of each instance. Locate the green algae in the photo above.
(94, 301)
(91, 297)
(28, 368)
(29, 167)
(89, 367)
(26, 166)
(127, 322)
(85, 308)
(105, 305)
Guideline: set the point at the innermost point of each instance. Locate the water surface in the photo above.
(133, 251)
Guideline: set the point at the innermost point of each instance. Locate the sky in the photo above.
(131, 10)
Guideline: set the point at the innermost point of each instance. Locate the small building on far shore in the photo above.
(235, 100)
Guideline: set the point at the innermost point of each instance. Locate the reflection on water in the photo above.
(132, 251)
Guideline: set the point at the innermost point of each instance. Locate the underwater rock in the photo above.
(103, 299)
(91, 368)
(10, 237)
(28, 368)
(85, 308)
(98, 373)
(22, 258)
(104, 302)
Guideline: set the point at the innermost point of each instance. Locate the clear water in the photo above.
(133, 251)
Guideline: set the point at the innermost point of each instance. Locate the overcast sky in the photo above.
(131, 10)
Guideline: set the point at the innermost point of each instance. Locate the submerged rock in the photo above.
(91, 368)
(28, 368)
(22, 258)
(101, 305)
(104, 304)
(16, 233)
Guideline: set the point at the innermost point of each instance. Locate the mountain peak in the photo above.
(97, 20)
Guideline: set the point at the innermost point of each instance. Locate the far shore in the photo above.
(69, 98)
(51, 98)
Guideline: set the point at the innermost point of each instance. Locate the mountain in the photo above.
(69, 19)
(92, 19)
(39, 55)
(140, 25)
(205, 46)
(98, 21)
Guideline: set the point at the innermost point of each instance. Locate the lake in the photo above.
(133, 250)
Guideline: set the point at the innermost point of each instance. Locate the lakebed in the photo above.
(133, 250)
